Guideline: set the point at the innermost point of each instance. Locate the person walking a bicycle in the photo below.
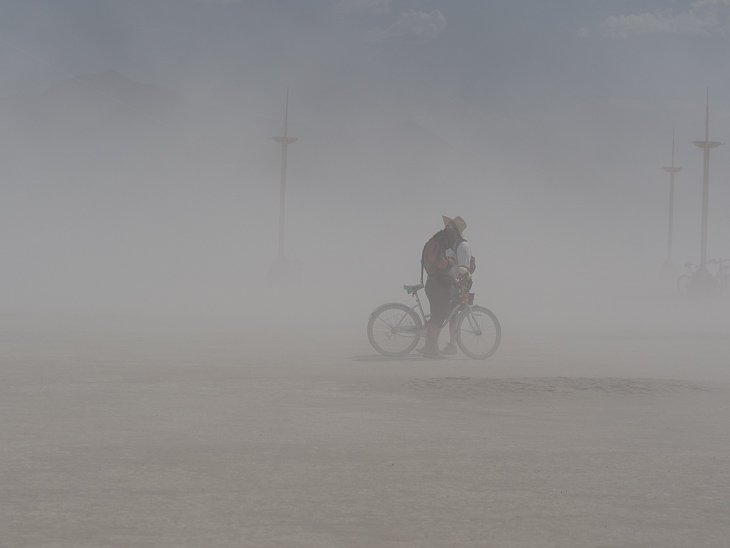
(440, 259)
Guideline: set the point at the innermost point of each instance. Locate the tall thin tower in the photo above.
(284, 141)
(706, 145)
(669, 263)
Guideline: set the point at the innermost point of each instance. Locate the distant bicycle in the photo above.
(394, 329)
(683, 281)
(721, 278)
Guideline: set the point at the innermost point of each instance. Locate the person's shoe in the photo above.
(450, 350)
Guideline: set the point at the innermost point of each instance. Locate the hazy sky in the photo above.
(559, 113)
(518, 69)
(499, 54)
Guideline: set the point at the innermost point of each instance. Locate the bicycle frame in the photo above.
(460, 307)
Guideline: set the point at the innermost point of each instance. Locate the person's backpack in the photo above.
(432, 253)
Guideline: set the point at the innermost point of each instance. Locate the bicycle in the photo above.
(689, 284)
(394, 329)
(684, 280)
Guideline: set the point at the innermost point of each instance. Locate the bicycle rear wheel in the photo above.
(478, 332)
(394, 329)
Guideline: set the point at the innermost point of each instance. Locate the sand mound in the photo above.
(462, 387)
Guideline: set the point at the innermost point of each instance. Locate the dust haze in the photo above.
(139, 221)
(127, 199)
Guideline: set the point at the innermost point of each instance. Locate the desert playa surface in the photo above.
(307, 437)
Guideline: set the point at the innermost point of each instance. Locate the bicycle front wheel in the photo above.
(394, 329)
(478, 332)
(682, 284)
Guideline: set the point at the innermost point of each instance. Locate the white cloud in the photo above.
(583, 32)
(373, 6)
(414, 24)
(703, 18)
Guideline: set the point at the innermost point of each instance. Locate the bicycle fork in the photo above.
(473, 324)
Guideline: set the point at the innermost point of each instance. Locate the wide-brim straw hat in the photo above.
(459, 223)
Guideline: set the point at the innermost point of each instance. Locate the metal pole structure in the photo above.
(706, 145)
(284, 142)
(669, 264)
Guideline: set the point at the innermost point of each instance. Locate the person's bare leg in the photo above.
(452, 329)
(450, 348)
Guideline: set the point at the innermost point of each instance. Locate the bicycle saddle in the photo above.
(411, 289)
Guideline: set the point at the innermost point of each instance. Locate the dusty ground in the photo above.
(308, 438)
